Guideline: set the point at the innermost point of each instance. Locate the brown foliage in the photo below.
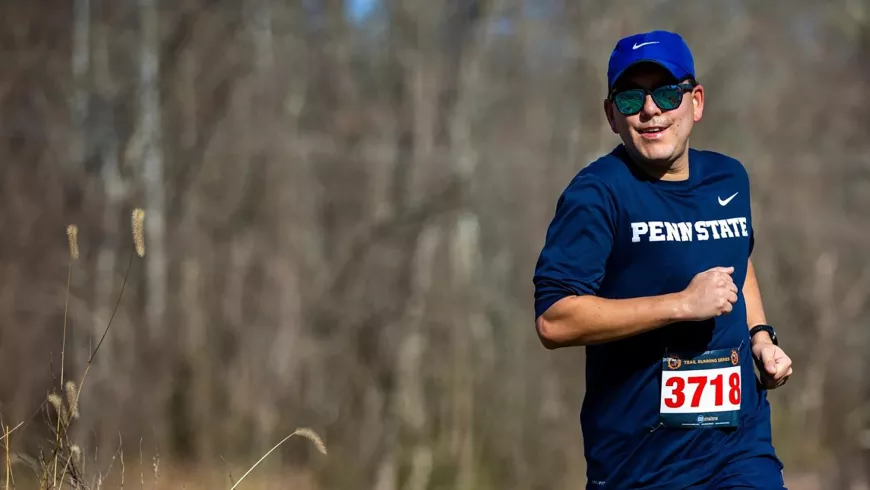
(351, 211)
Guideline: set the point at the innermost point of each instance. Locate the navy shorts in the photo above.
(759, 473)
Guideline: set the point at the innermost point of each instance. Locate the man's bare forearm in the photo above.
(585, 320)
(754, 306)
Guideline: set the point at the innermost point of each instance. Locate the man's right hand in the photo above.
(710, 294)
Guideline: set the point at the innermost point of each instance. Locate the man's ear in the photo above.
(608, 113)
(698, 102)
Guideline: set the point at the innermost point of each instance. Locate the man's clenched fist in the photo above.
(710, 294)
(774, 366)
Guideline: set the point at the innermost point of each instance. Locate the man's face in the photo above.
(657, 136)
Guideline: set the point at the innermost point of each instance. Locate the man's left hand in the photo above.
(773, 364)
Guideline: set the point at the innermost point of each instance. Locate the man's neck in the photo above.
(676, 170)
(679, 170)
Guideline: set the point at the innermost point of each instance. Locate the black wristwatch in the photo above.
(767, 328)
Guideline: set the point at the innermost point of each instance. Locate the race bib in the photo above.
(703, 390)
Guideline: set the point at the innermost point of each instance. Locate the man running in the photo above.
(647, 263)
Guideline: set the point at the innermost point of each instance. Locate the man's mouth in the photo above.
(652, 132)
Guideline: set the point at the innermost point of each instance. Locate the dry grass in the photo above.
(65, 465)
(306, 433)
(134, 475)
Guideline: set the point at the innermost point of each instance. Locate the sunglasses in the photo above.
(667, 97)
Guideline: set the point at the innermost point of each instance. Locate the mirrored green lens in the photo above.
(629, 101)
(668, 97)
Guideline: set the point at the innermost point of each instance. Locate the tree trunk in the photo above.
(81, 137)
(152, 167)
(107, 283)
(81, 68)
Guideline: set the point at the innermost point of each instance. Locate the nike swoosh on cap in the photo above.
(636, 45)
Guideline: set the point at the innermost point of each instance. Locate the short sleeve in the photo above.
(577, 244)
(751, 241)
(749, 215)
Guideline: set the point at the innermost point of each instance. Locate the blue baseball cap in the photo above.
(664, 48)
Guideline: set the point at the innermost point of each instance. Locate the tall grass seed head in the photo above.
(139, 231)
(313, 437)
(72, 235)
(72, 398)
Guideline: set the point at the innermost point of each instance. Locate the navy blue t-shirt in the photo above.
(618, 233)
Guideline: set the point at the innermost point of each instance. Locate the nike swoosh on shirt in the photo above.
(724, 202)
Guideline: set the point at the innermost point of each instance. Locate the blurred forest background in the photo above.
(344, 204)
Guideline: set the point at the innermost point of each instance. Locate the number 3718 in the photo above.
(692, 388)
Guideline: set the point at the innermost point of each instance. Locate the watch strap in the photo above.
(766, 328)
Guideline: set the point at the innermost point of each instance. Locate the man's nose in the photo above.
(650, 109)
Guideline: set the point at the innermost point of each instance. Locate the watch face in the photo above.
(772, 333)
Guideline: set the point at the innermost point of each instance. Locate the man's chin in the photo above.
(655, 160)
